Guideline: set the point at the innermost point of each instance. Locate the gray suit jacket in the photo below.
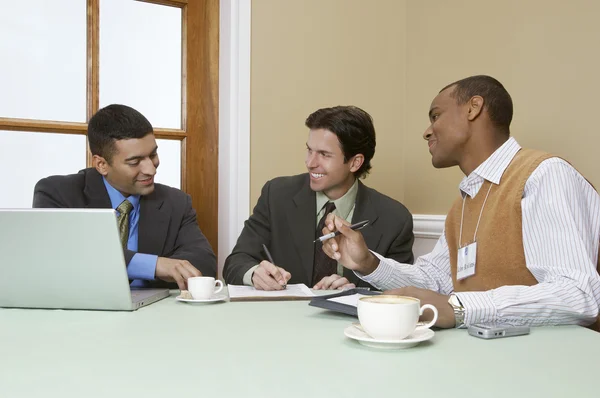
(284, 219)
(167, 223)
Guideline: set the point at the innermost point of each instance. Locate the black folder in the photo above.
(325, 303)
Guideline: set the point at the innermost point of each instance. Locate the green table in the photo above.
(274, 349)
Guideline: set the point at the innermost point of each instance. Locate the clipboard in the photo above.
(326, 303)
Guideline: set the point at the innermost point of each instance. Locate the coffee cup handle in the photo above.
(220, 284)
(435, 316)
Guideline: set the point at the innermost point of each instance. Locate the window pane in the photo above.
(140, 59)
(25, 158)
(169, 171)
(43, 47)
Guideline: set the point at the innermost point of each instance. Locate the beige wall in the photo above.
(544, 52)
(304, 56)
(311, 54)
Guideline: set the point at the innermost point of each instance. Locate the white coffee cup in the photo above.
(388, 317)
(203, 287)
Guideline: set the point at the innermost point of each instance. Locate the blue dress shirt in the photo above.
(142, 266)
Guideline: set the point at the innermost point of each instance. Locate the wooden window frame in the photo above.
(199, 104)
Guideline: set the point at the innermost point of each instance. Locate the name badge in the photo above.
(467, 256)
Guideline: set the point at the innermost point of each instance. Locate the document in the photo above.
(248, 293)
(348, 300)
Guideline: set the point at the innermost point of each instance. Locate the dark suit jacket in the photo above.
(285, 220)
(167, 223)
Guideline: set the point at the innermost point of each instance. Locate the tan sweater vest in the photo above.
(500, 252)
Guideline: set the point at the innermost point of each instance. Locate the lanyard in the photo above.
(462, 214)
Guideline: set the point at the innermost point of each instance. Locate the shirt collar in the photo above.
(343, 205)
(116, 197)
(492, 168)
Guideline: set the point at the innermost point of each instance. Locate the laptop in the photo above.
(68, 259)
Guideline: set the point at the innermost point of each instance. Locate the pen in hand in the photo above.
(357, 226)
(270, 258)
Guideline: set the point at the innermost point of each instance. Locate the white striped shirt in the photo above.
(561, 234)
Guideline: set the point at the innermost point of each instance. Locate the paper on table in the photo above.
(349, 300)
(291, 292)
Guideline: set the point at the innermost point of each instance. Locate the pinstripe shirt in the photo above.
(561, 234)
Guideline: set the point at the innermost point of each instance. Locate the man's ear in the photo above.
(475, 107)
(100, 164)
(356, 162)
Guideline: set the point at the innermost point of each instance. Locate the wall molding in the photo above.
(428, 226)
(234, 122)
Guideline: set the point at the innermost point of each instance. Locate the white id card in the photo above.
(467, 256)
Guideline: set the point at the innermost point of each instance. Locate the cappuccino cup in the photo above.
(389, 317)
(203, 287)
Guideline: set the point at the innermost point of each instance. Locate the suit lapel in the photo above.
(301, 213)
(94, 191)
(153, 224)
(365, 210)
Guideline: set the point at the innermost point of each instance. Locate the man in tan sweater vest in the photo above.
(521, 242)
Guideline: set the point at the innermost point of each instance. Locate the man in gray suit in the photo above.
(161, 240)
(291, 210)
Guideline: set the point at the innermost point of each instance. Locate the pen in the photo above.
(357, 226)
(270, 258)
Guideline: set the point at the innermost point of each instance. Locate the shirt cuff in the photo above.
(142, 266)
(479, 307)
(381, 274)
(248, 276)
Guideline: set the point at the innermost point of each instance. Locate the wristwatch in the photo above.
(459, 311)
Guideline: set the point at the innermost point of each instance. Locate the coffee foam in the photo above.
(390, 299)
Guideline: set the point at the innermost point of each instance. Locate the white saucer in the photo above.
(356, 332)
(217, 297)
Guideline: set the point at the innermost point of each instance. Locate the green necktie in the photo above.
(123, 221)
(323, 265)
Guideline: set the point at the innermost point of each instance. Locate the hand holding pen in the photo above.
(268, 276)
(348, 246)
(356, 227)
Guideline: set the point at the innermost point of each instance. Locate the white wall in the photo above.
(234, 123)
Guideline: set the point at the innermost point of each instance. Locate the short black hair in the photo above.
(112, 123)
(496, 99)
(354, 129)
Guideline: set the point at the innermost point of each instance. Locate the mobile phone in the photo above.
(495, 331)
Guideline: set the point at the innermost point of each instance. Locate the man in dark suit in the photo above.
(161, 240)
(290, 211)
